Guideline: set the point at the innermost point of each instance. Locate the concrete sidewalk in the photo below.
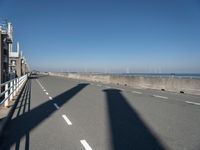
(6, 112)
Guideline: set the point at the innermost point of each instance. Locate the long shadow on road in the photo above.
(128, 131)
(23, 124)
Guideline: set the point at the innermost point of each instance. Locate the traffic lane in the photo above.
(175, 123)
(31, 128)
(50, 85)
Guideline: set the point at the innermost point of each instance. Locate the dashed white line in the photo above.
(50, 98)
(57, 107)
(47, 93)
(136, 92)
(44, 90)
(194, 103)
(67, 120)
(85, 145)
(158, 96)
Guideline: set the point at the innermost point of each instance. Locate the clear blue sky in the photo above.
(102, 35)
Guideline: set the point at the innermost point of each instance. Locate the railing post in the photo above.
(17, 85)
(14, 87)
(6, 96)
(11, 90)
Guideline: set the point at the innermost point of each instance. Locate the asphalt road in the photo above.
(56, 113)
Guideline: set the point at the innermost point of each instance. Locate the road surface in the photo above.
(56, 113)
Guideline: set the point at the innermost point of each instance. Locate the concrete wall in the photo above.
(190, 86)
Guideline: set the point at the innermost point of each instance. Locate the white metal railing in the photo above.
(10, 88)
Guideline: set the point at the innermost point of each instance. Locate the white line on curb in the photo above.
(158, 96)
(57, 107)
(85, 145)
(67, 120)
(194, 103)
(136, 92)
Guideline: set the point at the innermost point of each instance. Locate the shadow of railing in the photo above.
(24, 107)
(27, 121)
(128, 131)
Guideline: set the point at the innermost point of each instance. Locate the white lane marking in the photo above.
(47, 93)
(57, 107)
(136, 92)
(158, 96)
(50, 98)
(122, 89)
(67, 120)
(85, 145)
(44, 90)
(194, 103)
(40, 84)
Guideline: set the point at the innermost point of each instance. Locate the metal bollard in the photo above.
(6, 96)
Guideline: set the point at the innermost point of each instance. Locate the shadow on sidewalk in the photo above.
(128, 131)
(25, 122)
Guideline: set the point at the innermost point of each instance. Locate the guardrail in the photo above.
(10, 88)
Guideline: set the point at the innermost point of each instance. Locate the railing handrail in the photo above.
(2, 84)
(11, 88)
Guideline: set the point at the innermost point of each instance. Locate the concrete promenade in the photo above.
(56, 113)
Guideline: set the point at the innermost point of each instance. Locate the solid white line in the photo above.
(50, 98)
(194, 103)
(136, 92)
(67, 120)
(47, 93)
(85, 145)
(57, 107)
(158, 96)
